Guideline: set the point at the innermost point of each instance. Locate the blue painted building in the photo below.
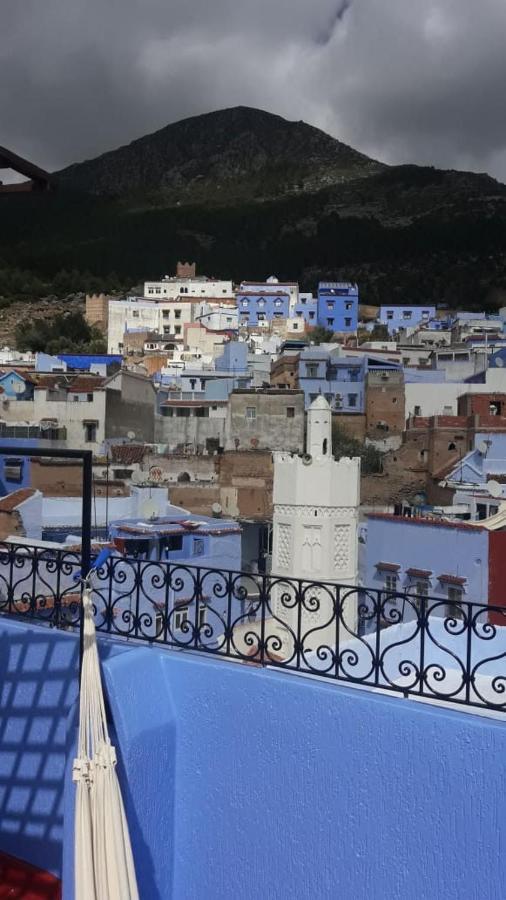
(183, 540)
(396, 317)
(340, 379)
(448, 560)
(14, 386)
(90, 362)
(338, 306)
(257, 307)
(307, 307)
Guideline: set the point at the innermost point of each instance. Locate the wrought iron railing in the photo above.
(420, 646)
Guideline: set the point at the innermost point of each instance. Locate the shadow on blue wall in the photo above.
(38, 687)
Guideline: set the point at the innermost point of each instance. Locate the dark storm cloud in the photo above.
(417, 80)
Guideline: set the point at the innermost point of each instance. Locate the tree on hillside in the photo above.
(67, 333)
(321, 335)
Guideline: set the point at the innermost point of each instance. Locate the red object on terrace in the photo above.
(21, 881)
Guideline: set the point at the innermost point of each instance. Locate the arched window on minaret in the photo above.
(324, 447)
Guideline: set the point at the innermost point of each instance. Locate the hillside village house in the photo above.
(83, 410)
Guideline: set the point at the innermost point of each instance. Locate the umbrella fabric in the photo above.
(104, 866)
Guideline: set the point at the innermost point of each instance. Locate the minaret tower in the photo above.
(315, 519)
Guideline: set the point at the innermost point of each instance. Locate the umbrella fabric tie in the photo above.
(104, 865)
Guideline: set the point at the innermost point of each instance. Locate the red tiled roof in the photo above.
(388, 566)
(12, 501)
(419, 573)
(128, 453)
(441, 523)
(451, 579)
(20, 879)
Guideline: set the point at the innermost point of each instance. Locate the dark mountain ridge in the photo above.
(238, 152)
(245, 194)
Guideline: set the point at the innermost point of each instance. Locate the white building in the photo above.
(315, 521)
(202, 288)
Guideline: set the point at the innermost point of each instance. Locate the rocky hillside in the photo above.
(222, 156)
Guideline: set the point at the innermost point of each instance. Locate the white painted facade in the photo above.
(315, 522)
(440, 398)
(170, 288)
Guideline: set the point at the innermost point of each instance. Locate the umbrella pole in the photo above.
(85, 540)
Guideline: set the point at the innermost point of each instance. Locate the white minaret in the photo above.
(315, 522)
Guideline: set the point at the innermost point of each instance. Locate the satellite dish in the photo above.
(483, 447)
(149, 509)
(494, 488)
(139, 477)
(216, 510)
(499, 362)
(130, 435)
(18, 387)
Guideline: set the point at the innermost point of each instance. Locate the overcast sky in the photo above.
(401, 80)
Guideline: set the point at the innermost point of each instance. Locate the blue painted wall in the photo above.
(307, 307)
(395, 317)
(440, 549)
(242, 782)
(15, 387)
(339, 379)
(262, 306)
(338, 306)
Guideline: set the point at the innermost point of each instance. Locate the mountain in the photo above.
(231, 154)
(245, 194)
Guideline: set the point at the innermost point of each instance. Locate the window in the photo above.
(174, 542)
(495, 408)
(166, 313)
(421, 589)
(454, 609)
(177, 313)
(261, 302)
(89, 398)
(330, 321)
(347, 322)
(311, 315)
(261, 317)
(390, 583)
(330, 306)
(278, 302)
(122, 473)
(417, 411)
(290, 412)
(348, 305)
(407, 314)
(75, 398)
(181, 617)
(352, 399)
(311, 370)
(390, 314)
(14, 470)
(90, 432)
(202, 617)
(177, 329)
(198, 546)
(251, 412)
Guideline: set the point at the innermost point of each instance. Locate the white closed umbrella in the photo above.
(104, 866)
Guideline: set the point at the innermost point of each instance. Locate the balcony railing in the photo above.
(417, 646)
